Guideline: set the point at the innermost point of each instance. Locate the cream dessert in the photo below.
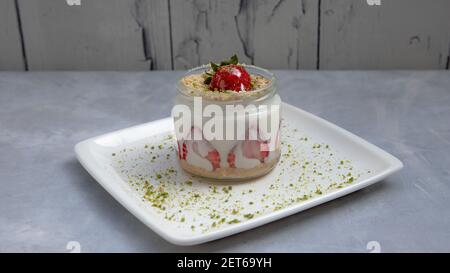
(232, 130)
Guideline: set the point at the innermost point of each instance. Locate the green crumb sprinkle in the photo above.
(226, 189)
(249, 216)
(304, 198)
(210, 206)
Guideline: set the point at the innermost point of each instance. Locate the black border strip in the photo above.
(227, 262)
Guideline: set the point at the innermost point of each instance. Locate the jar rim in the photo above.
(253, 95)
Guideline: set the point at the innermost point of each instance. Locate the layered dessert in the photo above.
(222, 144)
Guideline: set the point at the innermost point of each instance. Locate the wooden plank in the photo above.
(153, 17)
(11, 57)
(269, 33)
(400, 34)
(101, 34)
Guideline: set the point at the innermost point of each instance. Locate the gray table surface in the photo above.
(47, 199)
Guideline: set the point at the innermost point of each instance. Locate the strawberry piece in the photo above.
(204, 149)
(264, 149)
(214, 158)
(182, 151)
(231, 159)
(231, 77)
(255, 149)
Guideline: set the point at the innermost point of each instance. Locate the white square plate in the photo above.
(320, 162)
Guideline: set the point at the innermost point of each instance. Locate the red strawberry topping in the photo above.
(231, 77)
(228, 75)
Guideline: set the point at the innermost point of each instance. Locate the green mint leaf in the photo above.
(214, 66)
(234, 59)
(207, 80)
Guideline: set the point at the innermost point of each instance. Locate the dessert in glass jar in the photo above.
(227, 121)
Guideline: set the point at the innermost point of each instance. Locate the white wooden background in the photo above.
(179, 34)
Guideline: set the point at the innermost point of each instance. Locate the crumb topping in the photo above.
(196, 86)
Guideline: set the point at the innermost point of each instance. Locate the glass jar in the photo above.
(228, 134)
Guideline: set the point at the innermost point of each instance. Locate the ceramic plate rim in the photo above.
(94, 168)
